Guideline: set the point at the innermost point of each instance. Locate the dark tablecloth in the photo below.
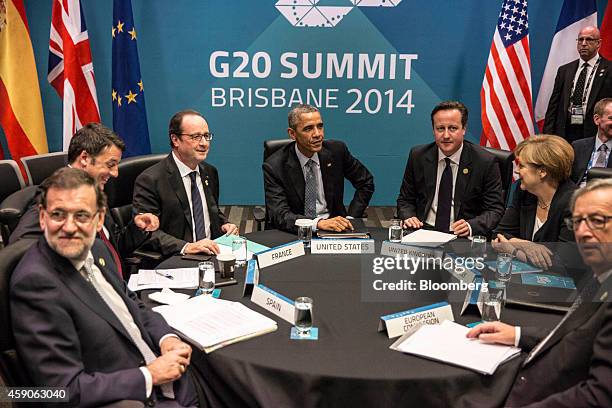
(351, 363)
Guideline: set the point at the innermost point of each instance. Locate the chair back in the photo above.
(11, 177)
(119, 190)
(505, 160)
(12, 209)
(11, 368)
(598, 172)
(272, 145)
(41, 166)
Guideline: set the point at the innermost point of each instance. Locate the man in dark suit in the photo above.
(578, 85)
(451, 185)
(571, 366)
(97, 150)
(75, 323)
(184, 191)
(305, 179)
(594, 151)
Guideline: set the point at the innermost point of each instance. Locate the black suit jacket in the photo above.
(68, 337)
(160, 190)
(284, 184)
(519, 218)
(583, 149)
(557, 111)
(125, 240)
(477, 192)
(574, 368)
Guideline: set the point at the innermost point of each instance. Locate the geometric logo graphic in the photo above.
(311, 13)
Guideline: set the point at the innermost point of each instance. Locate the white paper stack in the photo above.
(211, 323)
(428, 238)
(182, 278)
(446, 342)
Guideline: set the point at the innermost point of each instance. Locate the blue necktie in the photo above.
(197, 209)
(445, 196)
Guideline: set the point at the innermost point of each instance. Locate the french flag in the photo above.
(575, 14)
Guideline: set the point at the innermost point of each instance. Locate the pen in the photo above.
(165, 275)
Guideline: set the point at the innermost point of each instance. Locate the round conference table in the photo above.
(351, 363)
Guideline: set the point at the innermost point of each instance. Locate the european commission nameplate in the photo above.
(397, 324)
(280, 254)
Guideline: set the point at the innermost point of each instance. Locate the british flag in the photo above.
(71, 70)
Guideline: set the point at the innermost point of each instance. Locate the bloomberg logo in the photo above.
(309, 13)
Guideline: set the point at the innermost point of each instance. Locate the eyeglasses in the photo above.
(587, 39)
(594, 222)
(197, 137)
(80, 217)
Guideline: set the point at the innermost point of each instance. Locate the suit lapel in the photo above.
(82, 289)
(296, 173)
(210, 201)
(179, 188)
(326, 163)
(569, 79)
(430, 171)
(464, 172)
(598, 80)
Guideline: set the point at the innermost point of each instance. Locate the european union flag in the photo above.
(129, 111)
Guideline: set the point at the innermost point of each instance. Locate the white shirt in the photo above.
(321, 207)
(537, 224)
(121, 307)
(454, 158)
(185, 171)
(588, 84)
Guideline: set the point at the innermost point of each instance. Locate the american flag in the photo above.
(70, 67)
(505, 97)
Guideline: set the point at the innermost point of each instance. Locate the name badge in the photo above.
(280, 254)
(389, 248)
(342, 246)
(251, 277)
(273, 302)
(576, 115)
(397, 324)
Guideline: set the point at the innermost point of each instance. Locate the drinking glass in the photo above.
(206, 281)
(303, 315)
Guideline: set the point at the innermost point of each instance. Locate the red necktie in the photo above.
(113, 252)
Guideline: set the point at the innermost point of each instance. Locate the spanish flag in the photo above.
(21, 114)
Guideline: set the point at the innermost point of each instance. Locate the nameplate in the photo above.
(397, 324)
(342, 246)
(280, 254)
(273, 302)
(251, 277)
(473, 296)
(389, 248)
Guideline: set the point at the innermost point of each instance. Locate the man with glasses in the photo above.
(571, 366)
(183, 191)
(594, 151)
(97, 150)
(578, 85)
(76, 325)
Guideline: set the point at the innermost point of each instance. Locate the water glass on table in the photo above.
(239, 249)
(303, 315)
(304, 227)
(206, 278)
(492, 304)
(479, 245)
(503, 267)
(395, 231)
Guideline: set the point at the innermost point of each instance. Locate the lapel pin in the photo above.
(604, 297)
(328, 164)
(206, 182)
(465, 171)
(101, 261)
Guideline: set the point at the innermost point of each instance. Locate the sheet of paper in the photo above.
(424, 237)
(447, 342)
(168, 297)
(252, 247)
(182, 278)
(207, 321)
